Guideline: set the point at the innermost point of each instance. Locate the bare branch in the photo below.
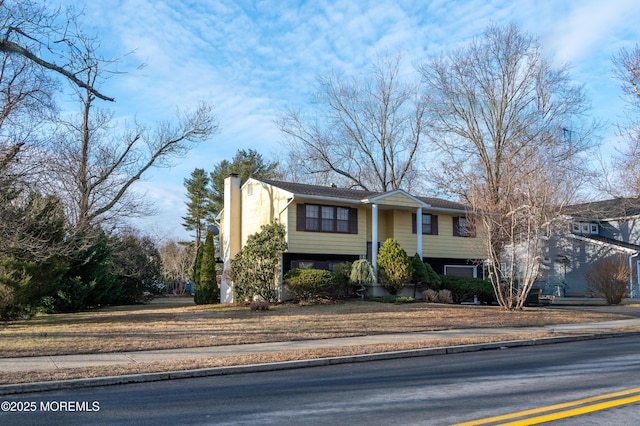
(365, 133)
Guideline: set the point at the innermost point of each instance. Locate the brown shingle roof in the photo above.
(320, 190)
(350, 194)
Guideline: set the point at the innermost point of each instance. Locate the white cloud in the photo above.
(251, 58)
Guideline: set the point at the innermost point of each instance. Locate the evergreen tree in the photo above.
(207, 290)
(432, 280)
(90, 280)
(137, 267)
(256, 268)
(199, 207)
(419, 275)
(394, 266)
(195, 278)
(245, 164)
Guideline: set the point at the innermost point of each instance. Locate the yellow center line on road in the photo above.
(561, 414)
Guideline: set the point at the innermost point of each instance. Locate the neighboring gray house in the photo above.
(595, 231)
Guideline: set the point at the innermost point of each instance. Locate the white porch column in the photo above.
(374, 237)
(419, 231)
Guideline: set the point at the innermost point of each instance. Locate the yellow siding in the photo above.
(326, 242)
(397, 224)
(261, 205)
(446, 245)
(397, 200)
(402, 231)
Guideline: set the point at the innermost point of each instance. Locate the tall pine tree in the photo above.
(207, 290)
(246, 164)
(199, 207)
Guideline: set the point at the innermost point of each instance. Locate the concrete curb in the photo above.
(289, 365)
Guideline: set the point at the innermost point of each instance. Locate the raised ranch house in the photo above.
(326, 225)
(597, 230)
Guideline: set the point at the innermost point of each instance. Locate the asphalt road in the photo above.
(434, 390)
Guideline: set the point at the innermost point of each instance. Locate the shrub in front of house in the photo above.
(463, 289)
(609, 278)
(310, 285)
(256, 268)
(362, 275)
(444, 296)
(394, 266)
(437, 296)
(341, 273)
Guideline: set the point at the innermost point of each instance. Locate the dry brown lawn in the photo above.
(164, 326)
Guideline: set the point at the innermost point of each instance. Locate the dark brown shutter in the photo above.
(456, 226)
(471, 232)
(301, 222)
(414, 226)
(434, 224)
(353, 221)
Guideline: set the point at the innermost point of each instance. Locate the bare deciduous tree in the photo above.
(93, 169)
(609, 277)
(626, 165)
(32, 30)
(177, 264)
(509, 129)
(365, 133)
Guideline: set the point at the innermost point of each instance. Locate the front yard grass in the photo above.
(165, 326)
(159, 326)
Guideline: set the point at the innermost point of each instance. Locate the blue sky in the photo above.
(250, 59)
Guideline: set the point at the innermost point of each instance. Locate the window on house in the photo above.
(463, 227)
(585, 228)
(328, 218)
(323, 218)
(429, 224)
(312, 222)
(343, 219)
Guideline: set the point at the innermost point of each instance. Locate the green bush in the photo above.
(464, 288)
(255, 270)
(341, 273)
(433, 280)
(361, 275)
(394, 266)
(419, 270)
(310, 285)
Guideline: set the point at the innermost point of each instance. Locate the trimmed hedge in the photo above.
(310, 285)
(464, 288)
